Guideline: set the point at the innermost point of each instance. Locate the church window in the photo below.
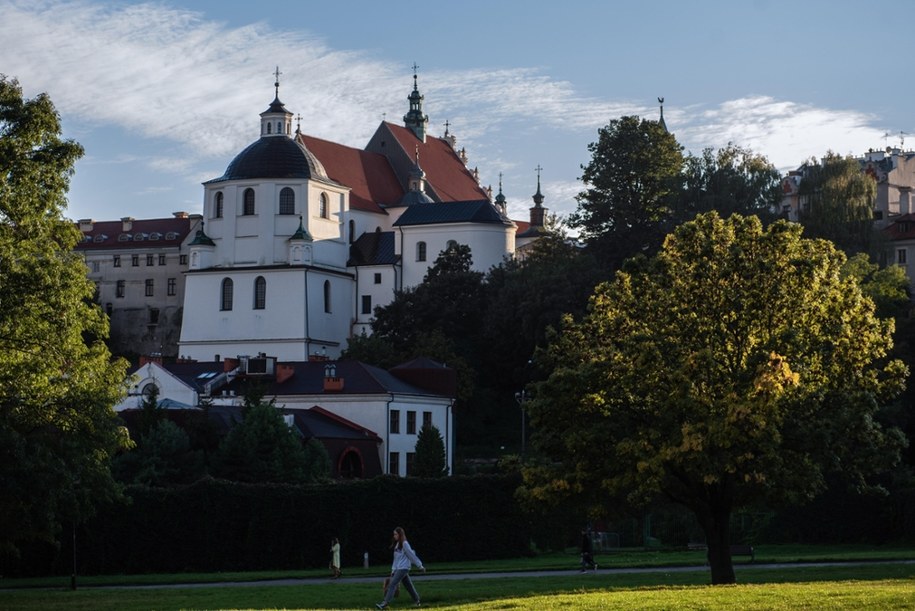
(327, 296)
(161, 259)
(150, 287)
(366, 304)
(287, 201)
(248, 208)
(150, 260)
(217, 205)
(420, 251)
(394, 463)
(134, 260)
(226, 298)
(172, 287)
(394, 424)
(377, 278)
(119, 289)
(324, 207)
(411, 422)
(260, 293)
(279, 127)
(269, 127)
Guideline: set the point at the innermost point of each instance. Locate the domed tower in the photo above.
(270, 271)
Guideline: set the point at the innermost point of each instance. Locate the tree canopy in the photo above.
(739, 365)
(631, 184)
(730, 180)
(58, 382)
(430, 460)
(837, 202)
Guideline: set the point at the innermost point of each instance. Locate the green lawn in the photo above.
(876, 586)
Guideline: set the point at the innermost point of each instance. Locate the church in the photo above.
(302, 238)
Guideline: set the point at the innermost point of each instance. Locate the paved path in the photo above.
(417, 576)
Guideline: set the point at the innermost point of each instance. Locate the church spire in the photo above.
(538, 211)
(661, 120)
(415, 119)
(276, 120)
(501, 202)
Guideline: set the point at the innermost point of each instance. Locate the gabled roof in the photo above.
(480, 211)
(902, 228)
(368, 175)
(447, 178)
(373, 248)
(318, 422)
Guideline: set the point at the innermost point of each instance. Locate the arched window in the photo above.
(269, 127)
(287, 201)
(225, 302)
(260, 293)
(327, 296)
(352, 231)
(249, 202)
(217, 205)
(279, 127)
(420, 251)
(324, 207)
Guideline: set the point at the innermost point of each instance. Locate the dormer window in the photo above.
(124, 237)
(155, 235)
(100, 238)
(171, 235)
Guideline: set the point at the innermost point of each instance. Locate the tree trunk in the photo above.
(715, 523)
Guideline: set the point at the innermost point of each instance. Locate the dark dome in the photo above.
(274, 157)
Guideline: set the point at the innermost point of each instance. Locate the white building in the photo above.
(302, 238)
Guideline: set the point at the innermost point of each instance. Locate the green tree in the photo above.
(58, 382)
(163, 457)
(262, 448)
(430, 460)
(888, 287)
(731, 180)
(737, 366)
(837, 203)
(631, 184)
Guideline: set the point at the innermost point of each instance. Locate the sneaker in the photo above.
(380, 606)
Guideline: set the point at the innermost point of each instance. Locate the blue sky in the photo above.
(162, 95)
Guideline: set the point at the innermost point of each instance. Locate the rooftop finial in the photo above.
(661, 120)
(447, 125)
(298, 124)
(276, 83)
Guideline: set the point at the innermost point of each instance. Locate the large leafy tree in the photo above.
(263, 448)
(739, 365)
(837, 203)
(58, 382)
(730, 180)
(631, 184)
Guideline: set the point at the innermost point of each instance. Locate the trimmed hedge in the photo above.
(216, 525)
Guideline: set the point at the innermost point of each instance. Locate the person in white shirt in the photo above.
(404, 558)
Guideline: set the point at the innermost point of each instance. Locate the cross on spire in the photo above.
(447, 125)
(538, 169)
(276, 83)
(298, 123)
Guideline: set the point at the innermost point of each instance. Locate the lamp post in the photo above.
(521, 397)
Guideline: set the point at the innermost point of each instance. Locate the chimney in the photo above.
(126, 223)
(85, 225)
(180, 215)
(229, 364)
(150, 358)
(331, 382)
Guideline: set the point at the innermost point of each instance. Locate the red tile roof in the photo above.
(368, 175)
(107, 234)
(902, 228)
(446, 175)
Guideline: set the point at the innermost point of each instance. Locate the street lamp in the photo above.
(521, 397)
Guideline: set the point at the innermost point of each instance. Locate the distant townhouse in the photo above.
(138, 267)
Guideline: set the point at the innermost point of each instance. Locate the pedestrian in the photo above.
(404, 558)
(335, 557)
(587, 555)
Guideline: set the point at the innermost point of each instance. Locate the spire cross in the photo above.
(298, 123)
(415, 68)
(276, 83)
(447, 125)
(538, 169)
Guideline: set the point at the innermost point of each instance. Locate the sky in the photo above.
(163, 95)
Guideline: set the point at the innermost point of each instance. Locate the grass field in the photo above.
(870, 585)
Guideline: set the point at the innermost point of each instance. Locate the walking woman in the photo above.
(404, 558)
